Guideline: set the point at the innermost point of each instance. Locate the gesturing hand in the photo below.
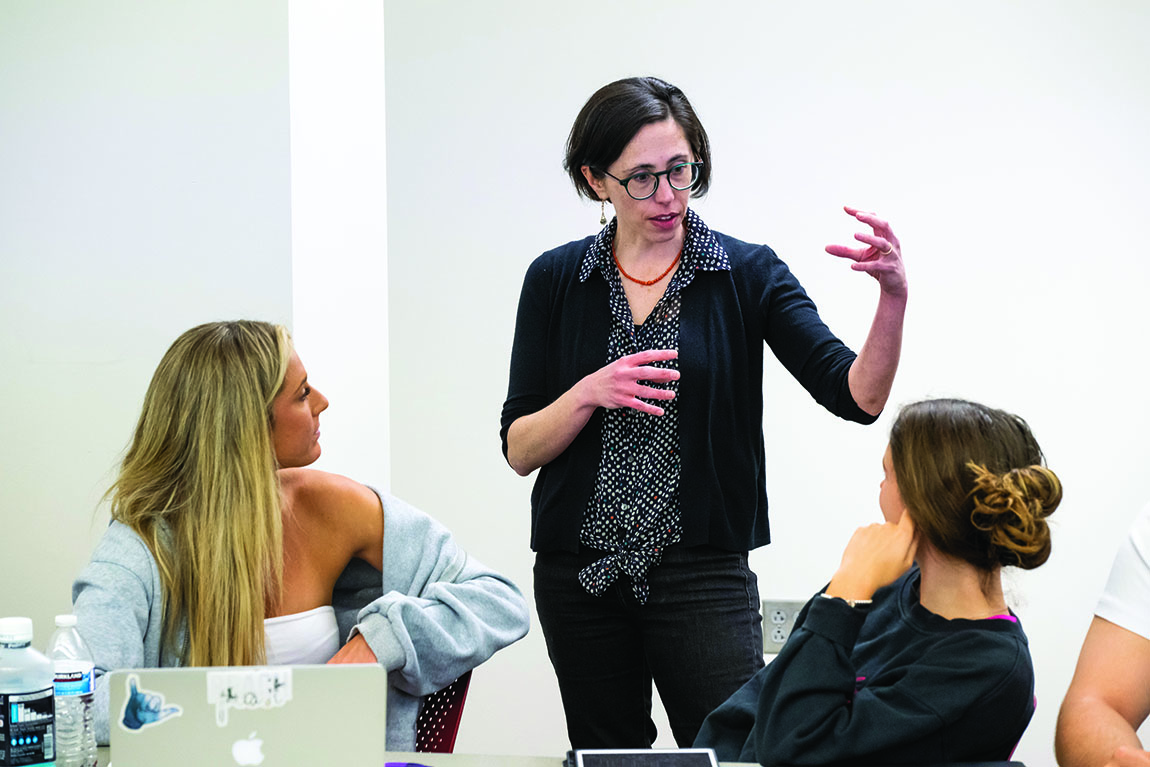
(876, 556)
(144, 708)
(882, 256)
(624, 381)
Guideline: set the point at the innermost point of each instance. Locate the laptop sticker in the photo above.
(248, 689)
(144, 708)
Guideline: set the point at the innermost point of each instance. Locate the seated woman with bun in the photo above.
(911, 655)
(224, 551)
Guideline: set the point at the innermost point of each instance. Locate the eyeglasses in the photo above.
(644, 183)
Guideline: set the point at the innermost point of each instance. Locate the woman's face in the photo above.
(656, 147)
(889, 499)
(295, 418)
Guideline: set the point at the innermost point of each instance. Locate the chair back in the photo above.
(438, 720)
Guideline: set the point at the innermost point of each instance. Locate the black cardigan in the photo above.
(561, 335)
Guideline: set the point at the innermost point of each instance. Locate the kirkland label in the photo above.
(73, 677)
(26, 728)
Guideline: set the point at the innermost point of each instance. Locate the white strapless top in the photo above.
(307, 637)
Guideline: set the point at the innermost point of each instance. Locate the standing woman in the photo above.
(644, 508)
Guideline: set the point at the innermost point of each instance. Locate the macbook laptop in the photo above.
(248, 716)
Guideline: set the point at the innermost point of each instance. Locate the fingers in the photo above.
(636, 400)
(844, 251)
(877, 555)
(651, 355)
(638, 366)
(631, 379)
(647, 393)
(653, 392)
(882, 240)
(656, 375)
(868, 258)
(870, 219)
(876, 248)
(881, 257)
(880, 244)
(644, 393)
(646, 407)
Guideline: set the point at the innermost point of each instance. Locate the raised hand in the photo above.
(881, 257)
(623, 382)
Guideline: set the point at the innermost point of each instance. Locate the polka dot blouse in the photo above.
(634, 510)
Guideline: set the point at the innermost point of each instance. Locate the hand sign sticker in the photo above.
(143, 708)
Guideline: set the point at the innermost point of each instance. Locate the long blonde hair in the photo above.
(199, 485)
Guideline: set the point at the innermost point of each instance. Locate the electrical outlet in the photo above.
(778, 620)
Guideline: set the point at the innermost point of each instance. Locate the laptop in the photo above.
(628, 757)
(248, 716)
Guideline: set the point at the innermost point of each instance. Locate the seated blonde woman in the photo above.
(911, 655)
(224, 550)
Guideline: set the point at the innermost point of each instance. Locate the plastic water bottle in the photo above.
(27, 705)
(75, 735)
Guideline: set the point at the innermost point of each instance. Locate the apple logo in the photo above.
(248, 751)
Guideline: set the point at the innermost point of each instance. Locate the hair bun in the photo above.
(1011, 509)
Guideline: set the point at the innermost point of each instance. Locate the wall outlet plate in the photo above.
(778, 621)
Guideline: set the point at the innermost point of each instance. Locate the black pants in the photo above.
(699, 637)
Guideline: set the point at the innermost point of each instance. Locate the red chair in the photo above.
(438, 720)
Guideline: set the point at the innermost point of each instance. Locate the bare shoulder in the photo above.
(346, 515)
(321, 494)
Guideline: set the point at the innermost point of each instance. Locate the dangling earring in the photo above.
(602, 212)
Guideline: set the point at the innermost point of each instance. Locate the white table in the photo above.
(104, 756)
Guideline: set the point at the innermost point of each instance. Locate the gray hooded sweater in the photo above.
(434, 614)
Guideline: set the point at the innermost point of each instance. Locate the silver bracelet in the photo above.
(850, 602)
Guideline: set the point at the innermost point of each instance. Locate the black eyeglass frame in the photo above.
(625, 181)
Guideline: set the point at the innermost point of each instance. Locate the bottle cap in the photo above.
(15, 629)
(65, 621)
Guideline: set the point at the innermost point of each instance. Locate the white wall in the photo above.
(144, 188)
(1006, 143)
(339, 226)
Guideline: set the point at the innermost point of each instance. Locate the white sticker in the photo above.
(247, 689)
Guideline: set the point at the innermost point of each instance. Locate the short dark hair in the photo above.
(619, 110)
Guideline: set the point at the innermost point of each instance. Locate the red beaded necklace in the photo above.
(644, 282)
